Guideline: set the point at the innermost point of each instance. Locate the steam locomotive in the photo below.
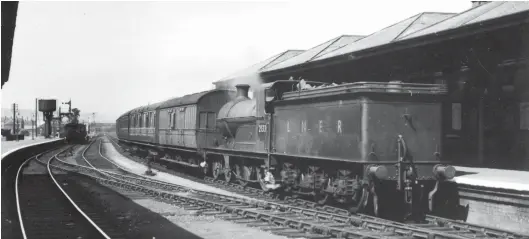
(75, 133)
(372, 147)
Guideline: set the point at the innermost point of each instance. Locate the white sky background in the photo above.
(109, 57)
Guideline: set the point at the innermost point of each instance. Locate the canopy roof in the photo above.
(392, 33)
(316, 51)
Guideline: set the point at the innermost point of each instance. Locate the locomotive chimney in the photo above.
(242, 91)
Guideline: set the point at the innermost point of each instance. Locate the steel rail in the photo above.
(371, 221)
(50, 173)
(17, 197)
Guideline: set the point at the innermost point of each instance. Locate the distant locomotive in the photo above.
(75, 133)
(374, 147)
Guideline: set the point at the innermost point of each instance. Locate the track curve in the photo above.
(42, 202)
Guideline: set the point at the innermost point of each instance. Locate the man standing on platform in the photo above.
(150, 159)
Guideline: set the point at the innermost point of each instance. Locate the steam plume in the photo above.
(254, 80)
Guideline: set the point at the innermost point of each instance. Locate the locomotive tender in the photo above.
(375, 147)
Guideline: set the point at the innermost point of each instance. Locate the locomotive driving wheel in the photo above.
(359, 200)
(216, 169)
(244, 172)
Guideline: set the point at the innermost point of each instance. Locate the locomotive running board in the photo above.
(180, 162)
(237, 153)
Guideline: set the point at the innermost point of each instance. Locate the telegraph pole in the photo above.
(33, 130)
(94, 119)
(15, 120)
(36, 117)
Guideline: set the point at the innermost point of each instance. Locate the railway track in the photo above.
(291, 217)
(49, 206)
(464, 228)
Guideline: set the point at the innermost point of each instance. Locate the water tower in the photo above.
(47, 107)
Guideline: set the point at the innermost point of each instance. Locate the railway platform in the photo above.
(11, 146)
(493, 178)
(495, 197)
(140, 169)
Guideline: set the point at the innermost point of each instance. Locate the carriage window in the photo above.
(203, 120)
(147, 120)
(151, 121)
(173, 126)
(181, 121)
(170, 119)
(212, 120)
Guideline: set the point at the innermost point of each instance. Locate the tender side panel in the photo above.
(330, 129)
(177, 126)
(418, 123)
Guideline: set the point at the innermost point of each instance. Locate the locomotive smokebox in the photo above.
(47, 105)
(240, 111)
(242, 91)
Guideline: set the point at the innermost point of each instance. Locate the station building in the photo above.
(481, 54)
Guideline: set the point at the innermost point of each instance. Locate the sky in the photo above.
(110, 57)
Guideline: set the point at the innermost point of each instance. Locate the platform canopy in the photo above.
(316, 51)
(384, 36)
(421, 29)
(392, 33)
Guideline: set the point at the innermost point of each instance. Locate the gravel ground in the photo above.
(207, 227)
(133, 219)
(77, 156)
(147, 218)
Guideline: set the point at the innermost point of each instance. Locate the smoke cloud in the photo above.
(254, 80)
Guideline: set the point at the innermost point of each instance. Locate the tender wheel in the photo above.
(216, 169)
(228, 175)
